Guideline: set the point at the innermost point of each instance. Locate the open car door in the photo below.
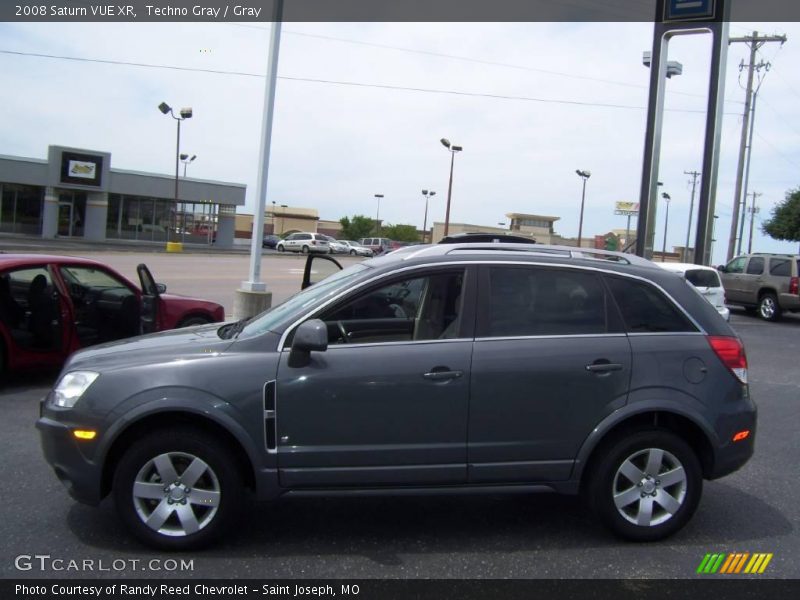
(150, 300)
(318, 267)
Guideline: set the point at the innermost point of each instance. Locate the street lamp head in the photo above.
(184, 156)
(193, 157)
(379, 195)
(445, 143)
(666, 196)
(164, 107)
(433, 193)
(584, 174)
(424, 192)
(186, 112)
(457, 148)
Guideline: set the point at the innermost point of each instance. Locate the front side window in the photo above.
(755, 266)
(425, 307)
(538, 301)
(736, 265)
(645, 309)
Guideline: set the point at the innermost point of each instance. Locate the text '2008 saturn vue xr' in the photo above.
(451, 368)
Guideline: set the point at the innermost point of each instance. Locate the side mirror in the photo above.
(311, 336)
(721, 268)
(161, 288)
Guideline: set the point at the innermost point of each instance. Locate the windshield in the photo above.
(296, 304)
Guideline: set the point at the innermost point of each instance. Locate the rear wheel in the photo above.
(305, 250)
(768, 307)
(352, 252)
(280, 248)
(178, 489)
(646, 486)
(194, 320)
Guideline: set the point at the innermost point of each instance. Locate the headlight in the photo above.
(71, 387)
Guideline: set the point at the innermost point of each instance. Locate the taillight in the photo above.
(793, 285)
(731, 352)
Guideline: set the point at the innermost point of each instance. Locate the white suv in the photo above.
(707, 282)
(304, 242)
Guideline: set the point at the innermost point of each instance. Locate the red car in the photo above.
(51, 306)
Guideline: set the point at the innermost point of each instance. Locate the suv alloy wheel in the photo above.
(768, 307)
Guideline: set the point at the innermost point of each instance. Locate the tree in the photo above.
(401, 233)
(356, 228)
(785, 221)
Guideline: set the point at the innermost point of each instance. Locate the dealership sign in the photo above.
(81, 169)
(626, 208)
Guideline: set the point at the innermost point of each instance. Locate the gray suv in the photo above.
(455, 368)
(767, 283)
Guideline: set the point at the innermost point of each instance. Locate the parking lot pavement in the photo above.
(753, 510)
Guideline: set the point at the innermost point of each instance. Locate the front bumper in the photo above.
(65, 454)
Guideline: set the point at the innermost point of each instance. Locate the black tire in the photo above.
(352, 252)
(280, 248)
(305, 250)
(181, 444)
(194, 320)
(633, 452)
(768, 307)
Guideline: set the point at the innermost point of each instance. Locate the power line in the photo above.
(778, 152)
(348, 83)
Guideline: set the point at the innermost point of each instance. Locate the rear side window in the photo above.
(702, 278)
(780, 267)
(645, 309)
(755, 266)
(537, 301)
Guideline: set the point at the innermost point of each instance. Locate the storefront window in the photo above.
(21, 209)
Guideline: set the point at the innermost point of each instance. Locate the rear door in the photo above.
(550, 362)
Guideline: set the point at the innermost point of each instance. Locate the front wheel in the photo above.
(280, 248)
(178, 489)
(305, 250)
(352, 252)
(646, 486)
(768, 308)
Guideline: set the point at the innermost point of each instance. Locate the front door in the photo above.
(550, 361)
(151, 298)
(387, 402)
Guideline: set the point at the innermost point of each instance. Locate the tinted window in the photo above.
(755, 266)
(645, 309)
(536, 301)
(780, 267)
(420, 308)
(702, 278)
(736, 265)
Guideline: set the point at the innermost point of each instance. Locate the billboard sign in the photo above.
(630, 209)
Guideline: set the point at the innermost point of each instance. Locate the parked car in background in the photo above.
(707, 282)
(304, 242)
(767, 283)
(51, 306)
(336, 247)
(356, 249)
(270, 241)
(468, 368)
(378, 245)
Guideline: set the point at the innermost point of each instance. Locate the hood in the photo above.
(188, 343)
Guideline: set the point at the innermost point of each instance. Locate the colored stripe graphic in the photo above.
(730, 564)
(711, 563)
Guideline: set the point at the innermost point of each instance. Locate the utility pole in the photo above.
(695, 175)
(754, 42)
(753, 210)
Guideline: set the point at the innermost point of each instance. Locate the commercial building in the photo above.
(75, 193)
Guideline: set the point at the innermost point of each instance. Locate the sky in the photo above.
(529, 102)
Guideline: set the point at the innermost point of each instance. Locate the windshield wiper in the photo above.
(231, 331)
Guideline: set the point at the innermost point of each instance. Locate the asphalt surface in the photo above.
(753, 510)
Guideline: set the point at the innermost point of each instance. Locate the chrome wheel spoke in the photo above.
(676, 475)
(631, 471)
(193, 472)
(165, 468)
(188, 519)
(148, 491)
(204, 497)
(654, 460)
(160, 515)
(667, 502)
(627, 497)
(645, 514)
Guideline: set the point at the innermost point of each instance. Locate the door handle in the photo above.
(442, 375)
(603, 367)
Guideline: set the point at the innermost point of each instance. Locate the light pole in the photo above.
(583, 175)
(186, 160)
(378, 216)
(666, 198)
(452, 150)
(427, 195)
(185, 113)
